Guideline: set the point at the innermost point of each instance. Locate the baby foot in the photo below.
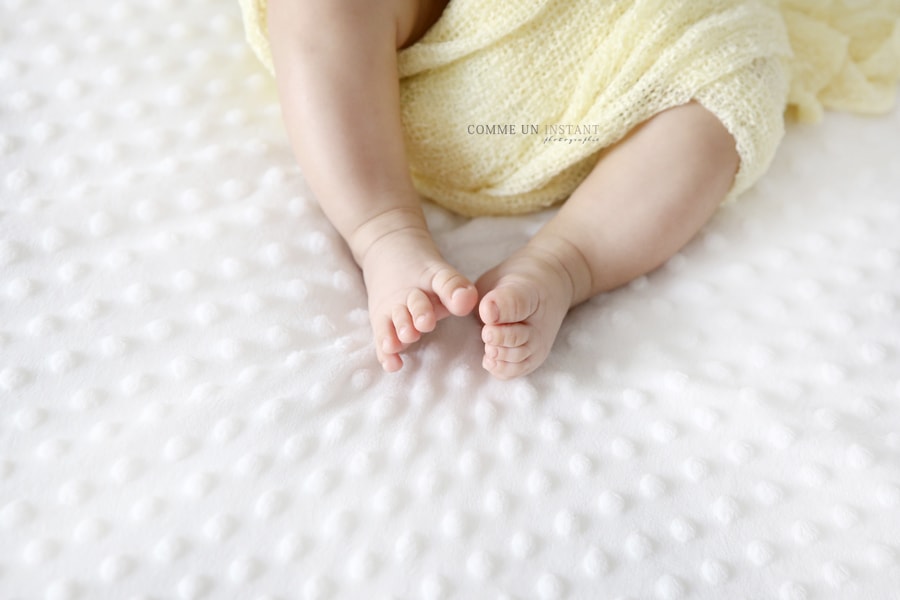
(410, 286)
(524, 301)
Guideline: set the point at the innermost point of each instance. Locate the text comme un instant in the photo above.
(531, 129)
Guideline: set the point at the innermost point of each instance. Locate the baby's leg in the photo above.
(336, 68)
(645, 199)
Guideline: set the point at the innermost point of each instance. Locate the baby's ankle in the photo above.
(408, 222)
(569, 261)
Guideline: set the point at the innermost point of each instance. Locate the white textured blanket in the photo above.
(190, 405)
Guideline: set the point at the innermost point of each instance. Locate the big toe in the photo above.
(510, 302)
(455, 291)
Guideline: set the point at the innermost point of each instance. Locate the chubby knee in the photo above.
(710, 139)
(701, 144)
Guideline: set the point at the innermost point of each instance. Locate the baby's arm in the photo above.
(336, 68)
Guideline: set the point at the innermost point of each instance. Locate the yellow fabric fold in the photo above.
(846, 56)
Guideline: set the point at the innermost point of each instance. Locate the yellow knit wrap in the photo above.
(507, 105)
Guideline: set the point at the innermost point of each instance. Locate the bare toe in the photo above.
(421, 310)
(508, 336)
(455, 292)
(511, 302)
(510, 355)
(387, 345)
(392, 363)
(386, 340)
(403, 324)
(506, 370)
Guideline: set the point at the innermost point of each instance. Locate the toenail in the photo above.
(489, 337)
(493, 312)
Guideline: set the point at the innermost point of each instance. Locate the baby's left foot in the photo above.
(524, 301)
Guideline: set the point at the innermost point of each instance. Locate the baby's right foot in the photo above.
(410, 285)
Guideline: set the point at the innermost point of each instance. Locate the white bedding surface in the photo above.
(190, 405)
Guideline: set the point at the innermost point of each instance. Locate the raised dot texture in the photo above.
(550, 587)
(759, 553)
(638, 546)
(523, 545)
(714, 572)
(682, 530)
(792, 591)
(190, 404)
(170, 549)
(610, 503)
(114, 568)
(192, 587)
(90, 530)
(41, 551)
(804, 532)
(726, 509)
(16, 514)
(669, 587)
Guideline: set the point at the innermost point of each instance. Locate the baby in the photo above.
(337, 78)
(689, 98)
